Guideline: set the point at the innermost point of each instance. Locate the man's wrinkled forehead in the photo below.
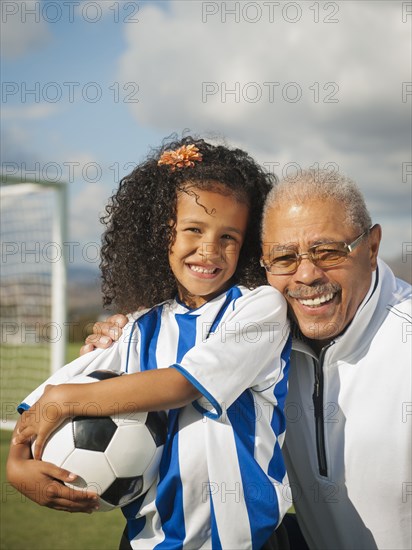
(314, 211)
(297, 226)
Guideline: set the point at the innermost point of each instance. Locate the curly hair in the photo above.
(141, 216)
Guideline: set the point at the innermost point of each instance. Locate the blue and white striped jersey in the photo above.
(222, 481)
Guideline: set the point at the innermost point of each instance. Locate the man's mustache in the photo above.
(304, 291)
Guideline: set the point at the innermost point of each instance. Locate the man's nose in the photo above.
(307, 272)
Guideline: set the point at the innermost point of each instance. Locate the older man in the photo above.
(349, 409)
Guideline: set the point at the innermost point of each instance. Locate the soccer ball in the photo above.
(117, 456)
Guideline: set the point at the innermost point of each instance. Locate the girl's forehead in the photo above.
(194, 187)
(202, 203)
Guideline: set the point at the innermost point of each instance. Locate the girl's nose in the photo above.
(210, 249)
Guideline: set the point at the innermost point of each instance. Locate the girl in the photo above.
(183, 233)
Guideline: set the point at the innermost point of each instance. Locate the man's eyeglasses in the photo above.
(322, 255)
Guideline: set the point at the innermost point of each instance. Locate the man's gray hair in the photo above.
(324, 185)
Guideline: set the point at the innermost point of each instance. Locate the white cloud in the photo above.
(89, 187)
(23, 28)
(29, 112)
(347, 77)
(357, 63)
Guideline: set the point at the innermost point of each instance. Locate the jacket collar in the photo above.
(368, 317)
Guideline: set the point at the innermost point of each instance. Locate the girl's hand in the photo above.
(42, 482)
(43, 418)
(104, 334)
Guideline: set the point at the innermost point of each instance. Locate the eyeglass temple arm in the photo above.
(355, 243)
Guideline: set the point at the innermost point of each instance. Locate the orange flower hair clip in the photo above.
(181, 158)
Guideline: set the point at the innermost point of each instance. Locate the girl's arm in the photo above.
(153, 390)
(42, 482)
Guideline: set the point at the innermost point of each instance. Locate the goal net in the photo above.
(32, 289)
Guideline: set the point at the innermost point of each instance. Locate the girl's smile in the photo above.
(207, 272)
(209, 233)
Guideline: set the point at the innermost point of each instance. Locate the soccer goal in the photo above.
(32, 288)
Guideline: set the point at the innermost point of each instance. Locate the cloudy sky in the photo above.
(88, 87)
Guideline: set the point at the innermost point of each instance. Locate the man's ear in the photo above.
(375, 237)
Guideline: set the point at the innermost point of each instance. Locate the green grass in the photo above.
(73, 351)
(24, 524)
(24, 368)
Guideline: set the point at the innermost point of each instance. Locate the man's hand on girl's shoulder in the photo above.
(105, 333)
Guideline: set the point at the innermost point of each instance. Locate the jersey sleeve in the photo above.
(244, 352)
(113, 359)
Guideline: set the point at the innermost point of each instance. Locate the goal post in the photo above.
(32, 287)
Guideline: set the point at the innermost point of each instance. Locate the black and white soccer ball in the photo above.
(117, 456)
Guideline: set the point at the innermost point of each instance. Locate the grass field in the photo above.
(24, 524)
